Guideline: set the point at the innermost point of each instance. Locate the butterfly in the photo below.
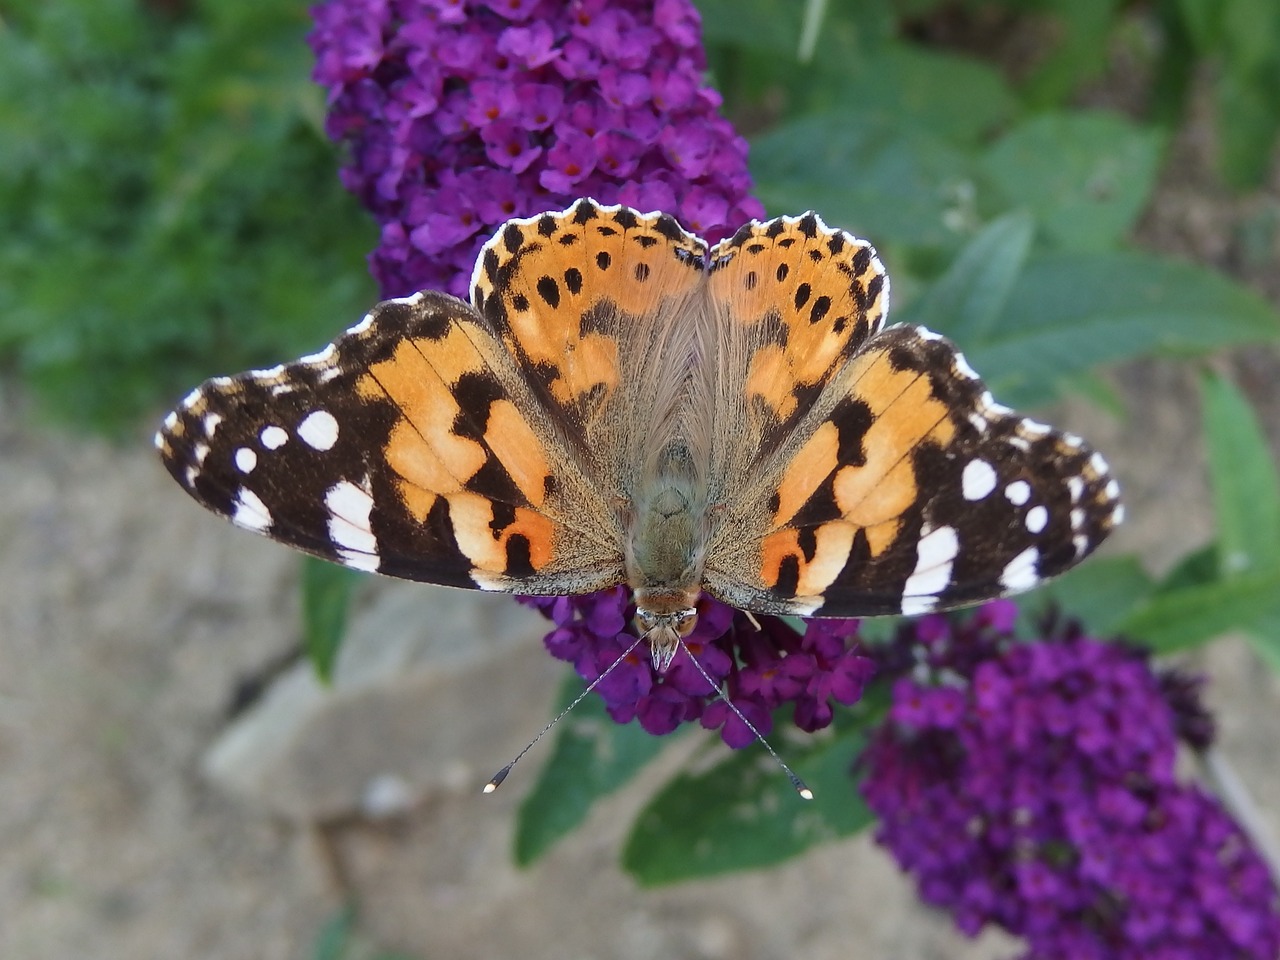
(622, 403)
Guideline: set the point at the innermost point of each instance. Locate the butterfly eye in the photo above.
(685, 622)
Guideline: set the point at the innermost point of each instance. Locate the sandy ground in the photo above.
(129, 619)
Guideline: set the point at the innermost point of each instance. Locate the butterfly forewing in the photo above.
(406, 448)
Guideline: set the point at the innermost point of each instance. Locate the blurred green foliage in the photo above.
(172, 207)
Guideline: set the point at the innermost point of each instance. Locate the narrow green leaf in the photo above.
(743, 814)
(326, 594)
(1246, 486)
(1249, 117)
(1068, 312)
(593, 756)
(1102, 593)
(1085, 176)
(1202, 20)
(964, 302)
(1180, 619)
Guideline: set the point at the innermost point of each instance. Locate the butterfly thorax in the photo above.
(666, 542)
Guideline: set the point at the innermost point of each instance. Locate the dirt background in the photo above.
(130, 620)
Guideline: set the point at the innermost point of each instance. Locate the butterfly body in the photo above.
(621, 404)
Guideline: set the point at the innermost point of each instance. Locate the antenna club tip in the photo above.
(490, 787)
(805, 793)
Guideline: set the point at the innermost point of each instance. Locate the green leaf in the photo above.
(1080, 50)
(326, 594)
(1202, 20)
(1246, 486)
(743, 813)
(1085, 176)
(1179, 619)
(877, 179)
(593, 756)
(334, 938)
(1264, 636)
(1194, 569)
(1068, 312)
(1248, 120)
(964, 302)
(1101, 592)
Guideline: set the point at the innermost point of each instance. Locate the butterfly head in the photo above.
(665, 618)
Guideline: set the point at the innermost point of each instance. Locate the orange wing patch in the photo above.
(854, 475)
(812, 294)
(541, 282)
(459, 438)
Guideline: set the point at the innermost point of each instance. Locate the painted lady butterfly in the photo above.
(621, 404)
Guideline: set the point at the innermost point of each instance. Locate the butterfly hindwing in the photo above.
(919, 492)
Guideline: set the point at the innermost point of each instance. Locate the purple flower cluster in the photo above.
(1031, 785)
(759, 669)
(461, 114)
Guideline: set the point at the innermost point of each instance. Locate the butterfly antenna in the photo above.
(496, 780)
(800, 786)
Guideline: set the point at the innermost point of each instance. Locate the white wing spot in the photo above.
(250, 512)
(1020, 572)
(1037, 518)
(1076, 486)
(211, 421)
(1077, 518)
(1117, 515)
(978, 480)
(324, 356)
(246, 460)
(918, 606)
(1072, 441)
(268, 373)
(192, 398)
(992, 405)
(963, 368)
(1098, 463)
(1034, 428)
(365, 323)
(319, 429)
(1112, 489)
(1018, 492)
(171, 420)
(349, 507)
(201, 450)
(935, 554)
(273, 437)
